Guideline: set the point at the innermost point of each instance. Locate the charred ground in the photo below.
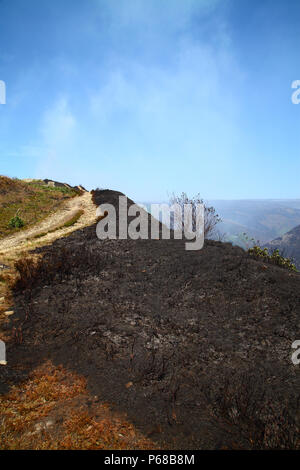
(194, 346)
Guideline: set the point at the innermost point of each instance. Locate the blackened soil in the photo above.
(158, 330)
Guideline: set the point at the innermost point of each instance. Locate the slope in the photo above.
(194, 347)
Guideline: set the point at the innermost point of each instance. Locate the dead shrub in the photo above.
(211, 218)
(54, 265)
(33, 272)
(244, 409)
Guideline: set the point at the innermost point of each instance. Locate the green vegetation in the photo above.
(275, 257)
(38, 184)
(253, 249)
(34, 200)
(74, 219)
(43, 234)
(16, 222)
(68, 223)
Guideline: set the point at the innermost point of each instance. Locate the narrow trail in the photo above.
(25, 240)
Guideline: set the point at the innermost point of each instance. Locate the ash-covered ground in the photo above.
(195, 346)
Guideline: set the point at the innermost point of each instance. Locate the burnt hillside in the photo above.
(195, 346)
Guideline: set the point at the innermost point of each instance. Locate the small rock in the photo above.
(49, 423)
(3, 363)
(43, 425)
(9, 313)
(4, 266)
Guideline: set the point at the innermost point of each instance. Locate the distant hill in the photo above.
(263, 220)
(288, 244)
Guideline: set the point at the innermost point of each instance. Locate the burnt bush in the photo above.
(53, 265)
(243, 407)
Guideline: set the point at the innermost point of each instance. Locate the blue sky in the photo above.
(153, 96)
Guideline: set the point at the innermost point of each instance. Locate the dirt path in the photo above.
(25, 240)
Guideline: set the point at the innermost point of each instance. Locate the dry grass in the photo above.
(32, 201)
(69, 222)
(52, 410)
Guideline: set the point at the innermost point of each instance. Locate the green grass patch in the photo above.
(73, 220)
(60, 189)
(40, 235)
(30, 202)
(16, 222)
